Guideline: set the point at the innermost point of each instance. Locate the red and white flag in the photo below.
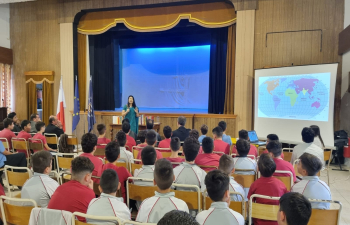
(61, 105)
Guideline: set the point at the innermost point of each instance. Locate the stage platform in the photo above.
(169, 111)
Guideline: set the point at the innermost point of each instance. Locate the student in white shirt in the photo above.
(124, 154)
(318, 139)
(176, 217)
(154, 208)
(308, 146)
(188, 172)
(311, 186)
(40, 187)
(227, 165)
(217, 183)
(242, 162)
(295, 209)
(108, 204)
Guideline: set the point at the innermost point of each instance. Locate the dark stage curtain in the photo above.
(101, 49)
(217, 71)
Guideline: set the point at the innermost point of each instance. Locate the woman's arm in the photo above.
(125, 112)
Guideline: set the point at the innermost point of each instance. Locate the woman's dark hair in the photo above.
(133, 103)
(317, 132)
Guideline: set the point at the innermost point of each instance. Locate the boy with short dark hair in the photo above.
(176, 217)
(108, 204)
(101, 128)
(124, 154)
(25, 132)
(130, 141)
(220, 145)
(295, 209)
(175, 148)
(148, 158)
(151, 139)
(188, 172)
(208, 158)
(204, 131)
(154, 208)
(243, 134)
(242, 162)
(269, 138)
(40, 127)
(311, 186)
(7, 131)
(167, 134)
(142, 138)
(217, 183)
(40, 187)
(226, 138)
(266, 185)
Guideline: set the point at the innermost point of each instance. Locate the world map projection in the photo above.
(302, 97)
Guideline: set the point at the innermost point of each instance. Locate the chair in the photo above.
(5, 143)
(73, 140)
(42, 216)
(64, 162)
(261, 149)
(100, 150)
(138, 193)
(135, 151)
(327, 157)
(325, 217)
(192, 198)
(208, 168)
(35, 144)
(16, 178)
(288, 181)
(95, 186)
(119, 164)
(134, 166)
(166, 154)
(100, 218)
(287, 152)
(235, 206)
(51, 139)
(21, 145)
(262, 211)
(16, 214)
(163, 149)
(245, 180)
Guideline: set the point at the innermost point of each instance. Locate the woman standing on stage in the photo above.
(131, 112)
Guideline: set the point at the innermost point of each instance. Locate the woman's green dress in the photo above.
(134, 120)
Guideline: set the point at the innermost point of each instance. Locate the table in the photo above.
(118, 127)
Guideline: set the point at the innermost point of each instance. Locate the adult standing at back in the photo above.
(34, 118)
(52, 128)
(131, 112)
(182, 133)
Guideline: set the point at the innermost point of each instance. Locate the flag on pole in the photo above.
(76, 115)
(91, 113)
(61, 105)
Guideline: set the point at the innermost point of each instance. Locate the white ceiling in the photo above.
(13, 1)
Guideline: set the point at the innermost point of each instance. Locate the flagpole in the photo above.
(75, 131)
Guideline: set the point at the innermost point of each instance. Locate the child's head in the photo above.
(177, 217)
(295, 209)
(226, 164)
(242, 147)
(121, 138)
(112, 151)
(204, 129)
(194, 133)
(275, 148)
(39, 126)
(309, 165)
(109, 182)
(126, 127)
(151, 137)
(163, 174)
(243, 134)
(148, 155)
(26, 126)
(142, 136)
(271, 137)
(266, 165)
(191, 148)
(82, 168)
(41, 162)
(217, 183)
(175, 144)
(101, 128)
(217, 132)
(167, 132)
(207, 145)
(308, 135)
(8, 123)
(223, 125)
(88, 142)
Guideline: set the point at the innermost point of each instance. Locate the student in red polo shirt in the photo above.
(40, 127)
(101, 128)
(219, 144)
(130, 141)
(266, 185)
(112, 155)
(142, 138)
(76, 194)
(275, 150)
(208, 158)
(272, 137)
(88, 144)
(167, 134)
(175, 145)
(25, 133)
(151, 139)
(243, 134)
(6, 132)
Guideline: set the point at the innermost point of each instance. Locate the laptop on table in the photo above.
(253, 137)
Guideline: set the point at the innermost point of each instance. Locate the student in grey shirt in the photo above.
(40, 187)
(34, 118)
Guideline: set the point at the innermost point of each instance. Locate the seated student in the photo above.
(181, 132)
(226, 138)
(176, 217)
(101, 128)
(308, 136)
(188, 172)
(88, 144)
(131, 133)
(25, 133)
(149, 126)
(124, 154)
(266, 185)
(16, 122)
(204, 131)
(217, 183)
(175, 147)
(295, 209)
(269, 138)
(311, 186)
(208, 158)
(219, 144)
(40, 187)
(112, 155)
(34, 118)
(227, 166)
(40, 127)
(7, 131)
(108, 204)
(154, 208)
(151, 139)
(194, 133)
(130, 141)
(142, 138)
(243, 134)
(76, 194)
(167, 134)
(242, 162)
(275, 149)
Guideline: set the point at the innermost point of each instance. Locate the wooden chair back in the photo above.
(20, 144)
(261, 150)
(139, 193)
(16, 178)
(98, 218)
(135, 151)
(262, 211)
(5, 143)
(235, 206)
(287, 152)
(36, 144)
(51, 139)
(72, 140)
(327, 155)
(287, 180)
(163, 149)
(192, 198)
(245, 180)
(16, 214)
(64, 160)
(119, 164)
(326, 217)
(166, 154)
(208, 168)
(100, 152)
(134, 166)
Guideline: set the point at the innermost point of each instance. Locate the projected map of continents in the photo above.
(303, 97)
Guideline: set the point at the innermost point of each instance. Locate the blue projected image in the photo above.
(167, 77)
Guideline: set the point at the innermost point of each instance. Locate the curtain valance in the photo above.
(39, 77)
